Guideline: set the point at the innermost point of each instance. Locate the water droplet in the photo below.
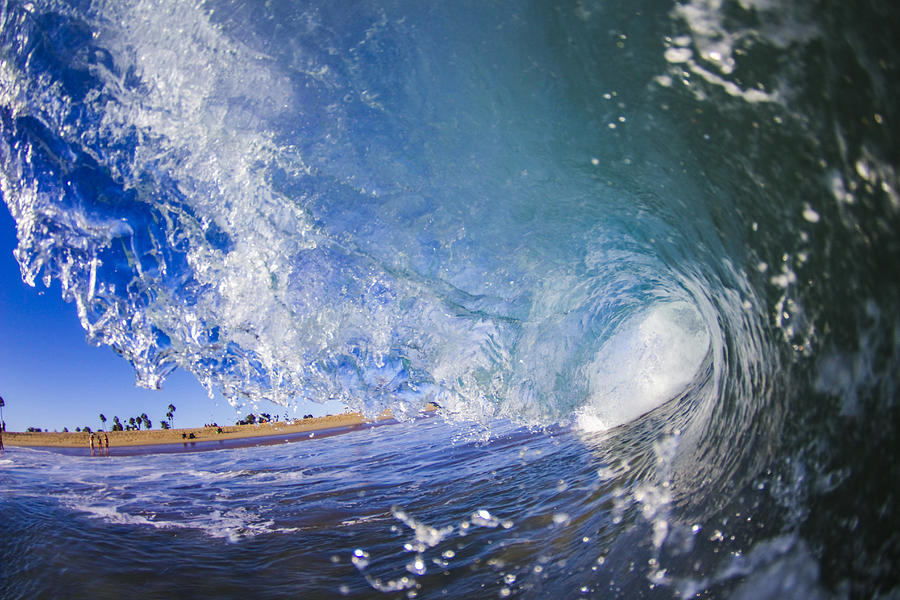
(810, 215)
(484, 518)
(360, 558)
(678, 55)
(417, 566)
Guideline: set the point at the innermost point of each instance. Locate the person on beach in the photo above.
(92, 444)
(106, 443)
(1, 438)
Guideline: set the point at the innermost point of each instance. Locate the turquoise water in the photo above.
(643, 256)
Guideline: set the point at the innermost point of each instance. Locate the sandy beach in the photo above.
(154, 437)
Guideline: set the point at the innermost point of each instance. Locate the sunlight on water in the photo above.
(648, 361)
(673, 224)
(304, 220)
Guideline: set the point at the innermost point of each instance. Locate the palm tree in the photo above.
(117, 426)
(131, 423)
(171, 415)
(102, 420)
(146, 420)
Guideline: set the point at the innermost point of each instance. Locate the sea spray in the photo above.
(677, 218)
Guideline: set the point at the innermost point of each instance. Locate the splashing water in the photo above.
(669, 225)
(290, 220)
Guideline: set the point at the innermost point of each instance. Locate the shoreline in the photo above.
(163, 437)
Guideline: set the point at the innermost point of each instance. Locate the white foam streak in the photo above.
(719, 41)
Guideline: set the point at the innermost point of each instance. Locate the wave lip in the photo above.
(651, 359)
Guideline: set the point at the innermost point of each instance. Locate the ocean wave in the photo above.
(674, 224)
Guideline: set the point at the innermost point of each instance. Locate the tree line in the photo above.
(252, 419)
(131, 424)
(144, 422)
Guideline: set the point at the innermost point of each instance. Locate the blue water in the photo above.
(643, 255)
(423, 507)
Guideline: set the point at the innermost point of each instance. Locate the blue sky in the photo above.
(51, 378)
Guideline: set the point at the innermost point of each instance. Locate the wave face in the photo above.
(545, 212)
(360, 208)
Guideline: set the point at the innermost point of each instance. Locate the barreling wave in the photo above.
(544, 211)
(320, 214)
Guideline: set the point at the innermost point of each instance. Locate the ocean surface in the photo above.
(644, 255)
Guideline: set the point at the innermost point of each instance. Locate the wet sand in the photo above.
(156, 437)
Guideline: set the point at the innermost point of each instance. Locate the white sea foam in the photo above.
(650, 360)
(155, 509)
(718, 42)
